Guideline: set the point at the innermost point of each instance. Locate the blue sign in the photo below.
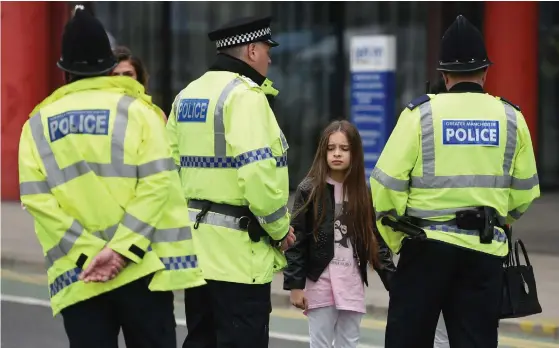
(373, 93)
(470, 132)
(94, 122)
(193, 110)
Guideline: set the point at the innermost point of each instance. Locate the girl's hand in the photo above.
(298, 299)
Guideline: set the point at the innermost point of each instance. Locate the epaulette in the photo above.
(511, 104)
(418, 101)
(249, 81)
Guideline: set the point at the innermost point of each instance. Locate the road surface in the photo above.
(27, 321)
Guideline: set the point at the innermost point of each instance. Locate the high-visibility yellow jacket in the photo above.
(449, 152)
(231, 150)
(95, 170)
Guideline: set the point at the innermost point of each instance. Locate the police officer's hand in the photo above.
(288, 240)
(105, 266)
(298, 299)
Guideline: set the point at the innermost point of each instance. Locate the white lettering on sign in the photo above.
(92, 122)
(470, 132)
(193, 110)
(373, 53)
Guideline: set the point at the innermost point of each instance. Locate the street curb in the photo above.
(543, 328)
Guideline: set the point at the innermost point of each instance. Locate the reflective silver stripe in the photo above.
(216, 219)
(159, 236)
(429, 180)
(525, 184)
(156, 166)
(519, 211)
(462, 181)
(65, 244)
(138, 226)
(511, 139)
(388, 181)
(268, 219)
(498, 235)
(107, 234)
(33, 188)
(220, 146)
(119, 135)
(424, 214)
(427, 140)
(172, 235)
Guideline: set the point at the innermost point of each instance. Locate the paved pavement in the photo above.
(537, 229)
(49, 333)
(24, 303)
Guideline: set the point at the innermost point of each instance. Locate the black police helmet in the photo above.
(462, 48)
(86, 49)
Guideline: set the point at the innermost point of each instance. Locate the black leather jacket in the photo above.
(308, 257)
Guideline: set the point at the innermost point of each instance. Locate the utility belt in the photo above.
(246, 219)
(482, 219)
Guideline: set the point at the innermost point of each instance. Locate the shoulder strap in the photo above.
(249, 81)
(418, 101)
(509, 103)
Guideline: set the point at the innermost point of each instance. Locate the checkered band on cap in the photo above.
(242, 38)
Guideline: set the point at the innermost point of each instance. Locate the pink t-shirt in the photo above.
(340, 284)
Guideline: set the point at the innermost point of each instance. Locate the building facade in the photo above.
(310, 67)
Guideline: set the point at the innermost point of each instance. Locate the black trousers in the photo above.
(433, 276)
(146, 317)
(227, 315)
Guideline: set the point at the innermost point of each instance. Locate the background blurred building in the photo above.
(310, 67)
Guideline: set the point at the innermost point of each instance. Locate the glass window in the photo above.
(310, 67)
(548, 134)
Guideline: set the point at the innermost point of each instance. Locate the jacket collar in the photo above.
(118, 84)
(463, 87)
(225, 62)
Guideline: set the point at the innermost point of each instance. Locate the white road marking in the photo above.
(180, 321)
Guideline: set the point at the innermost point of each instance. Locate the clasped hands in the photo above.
(104, 267)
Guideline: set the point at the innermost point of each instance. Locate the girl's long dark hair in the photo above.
(359, 213)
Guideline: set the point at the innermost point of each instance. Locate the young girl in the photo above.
(334, 225)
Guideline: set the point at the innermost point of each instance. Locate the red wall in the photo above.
(511, 34)
(30, 43)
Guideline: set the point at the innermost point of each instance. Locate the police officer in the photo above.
(233, 166)
(456, 168)
(97, 176)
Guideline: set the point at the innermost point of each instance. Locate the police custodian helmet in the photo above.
(242, 32)
(462, 48)
(86, 49)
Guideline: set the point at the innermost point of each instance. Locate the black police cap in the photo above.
(462, 48)
(243, 31)
(86, 49)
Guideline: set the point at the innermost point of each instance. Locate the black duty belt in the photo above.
(482, 219)
(247, 220)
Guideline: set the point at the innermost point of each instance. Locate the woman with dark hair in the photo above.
(132, 66)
